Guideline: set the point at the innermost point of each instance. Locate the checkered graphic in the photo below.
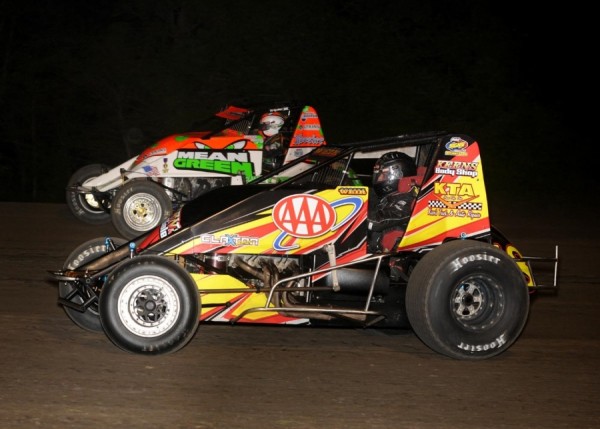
(437, 204)
(470, 206)
(466, 206)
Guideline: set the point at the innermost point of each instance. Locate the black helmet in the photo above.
(389, 169)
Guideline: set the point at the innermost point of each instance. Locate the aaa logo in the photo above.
(309, 216)
(304, 216)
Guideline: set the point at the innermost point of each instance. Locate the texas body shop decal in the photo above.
(456, 168)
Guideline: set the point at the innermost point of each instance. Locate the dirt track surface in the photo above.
(55, 375)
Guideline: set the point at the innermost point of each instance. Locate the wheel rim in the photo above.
(90, 203)
(477, 303)
(148, 306)
(142, 212)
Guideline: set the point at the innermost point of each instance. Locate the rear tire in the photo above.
(150, 305)
(84, 206)
(86, 252)
(467, 300)
(139, 206)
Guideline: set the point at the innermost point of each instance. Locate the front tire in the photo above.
(467, 300)
(86, 252)
(139, 206)
(85, 206)
(150, 305)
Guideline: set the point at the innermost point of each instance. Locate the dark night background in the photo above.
(97, 81)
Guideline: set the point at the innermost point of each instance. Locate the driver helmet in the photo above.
(271, 123)
(388, 171)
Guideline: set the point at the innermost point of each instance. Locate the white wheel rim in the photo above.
(142, 212)
(91, 201)
(148, 306)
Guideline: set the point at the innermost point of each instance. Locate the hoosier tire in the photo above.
(84, 206)
(467, 300)
(150, 305)
(86, 252)
(139, 206)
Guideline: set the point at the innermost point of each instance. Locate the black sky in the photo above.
(78, 76)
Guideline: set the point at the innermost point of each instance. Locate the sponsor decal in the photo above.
(296, 152)
(100, 248)
(279, 109)
(304, 216)
(155, 152)
(456, 168)
(456, 146)
(308, 115)
(459, 263)
(458, 213)
(309, 141)
(150, 153)
(232, 240)
(225, 162)
(498, 342)
(454, 200)
(309, 126)
(326, 151)
(352, 191)
(170, 225)
(309, 216)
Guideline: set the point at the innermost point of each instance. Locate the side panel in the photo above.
(452, 202)
(307, 135)
(224, 307)
(188, 155)
(297, 223)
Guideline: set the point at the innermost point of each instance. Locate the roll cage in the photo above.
(352, 163)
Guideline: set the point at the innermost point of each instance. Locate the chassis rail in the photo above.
(537, 262)
(343, 312)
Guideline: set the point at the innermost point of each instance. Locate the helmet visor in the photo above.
(386, 174)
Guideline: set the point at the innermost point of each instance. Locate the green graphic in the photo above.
(219, 162)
